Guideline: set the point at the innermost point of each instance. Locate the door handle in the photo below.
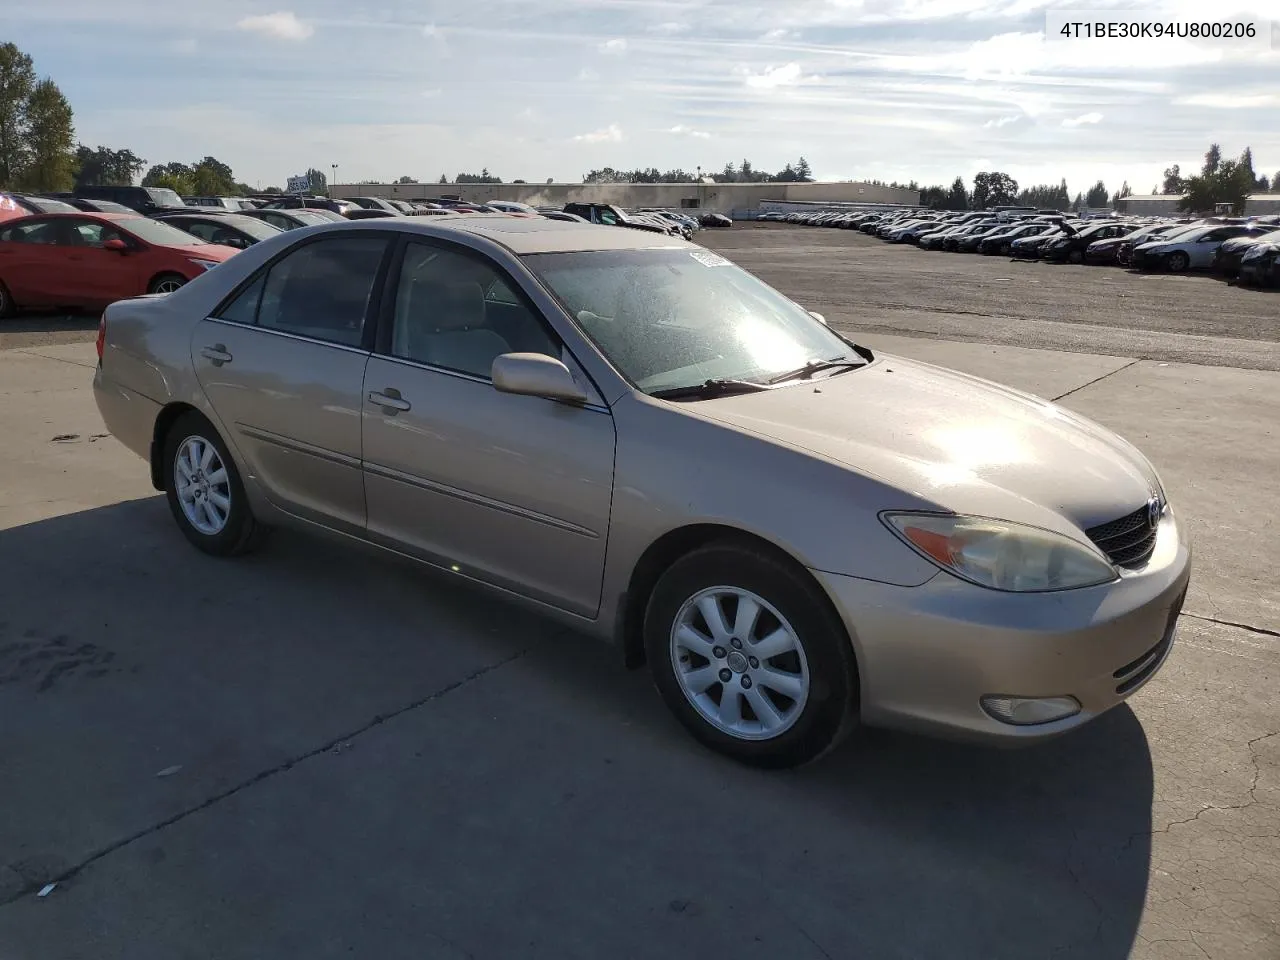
(217, 354)
(390, 401)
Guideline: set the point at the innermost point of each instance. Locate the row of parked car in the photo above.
(84, 252)
(1236, 248)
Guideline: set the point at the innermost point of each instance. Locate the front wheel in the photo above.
(1178, 261)
(167, 283)
(1076, 256)
(6, 302)
(748, 655)
(205, 494)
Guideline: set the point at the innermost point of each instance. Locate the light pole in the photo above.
(335, 177)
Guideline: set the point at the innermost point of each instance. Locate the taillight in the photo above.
(102, 335)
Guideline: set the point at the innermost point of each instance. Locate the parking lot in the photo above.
(317, 752)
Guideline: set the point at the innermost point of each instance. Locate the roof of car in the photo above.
(84, 214)
(525, 235)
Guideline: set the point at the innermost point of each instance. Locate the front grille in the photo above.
(1129, 541)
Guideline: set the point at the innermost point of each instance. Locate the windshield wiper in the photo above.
(813, 366)
(718, 387)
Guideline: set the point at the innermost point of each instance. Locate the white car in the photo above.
(1191, 249)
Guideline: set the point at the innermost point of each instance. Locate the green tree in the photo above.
(1220, 181)
(443, 179)
(317, 182)
(1173, 182)
(211, 177)
(993, 189)
(17, 81)
(484, 176)
(1097, 195)
(406, 180)
(50, 136)
(957, 196)
(1124, 191)
(1212, 158)
(803, 171)
(105, 167)
(177, 177)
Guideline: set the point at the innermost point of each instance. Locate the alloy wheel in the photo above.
(202, 485)
(739, 663)
(168, 285)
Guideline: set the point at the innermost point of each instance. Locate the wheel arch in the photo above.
(151, 281)
(168, 415)
(668, 548)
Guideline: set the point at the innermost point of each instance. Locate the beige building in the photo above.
(1166, 205)
(720, 197)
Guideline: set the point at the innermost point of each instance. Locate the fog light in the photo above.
(1028, 711)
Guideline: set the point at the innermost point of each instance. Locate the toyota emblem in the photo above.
(1154, 509)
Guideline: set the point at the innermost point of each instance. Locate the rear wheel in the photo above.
(748, 655)
(205, 494)
(6, 302)
(1076, 256)
(167, 283)
(1178, 261)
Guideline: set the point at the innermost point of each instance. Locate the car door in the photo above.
(96, 275)
(1202, 250)
(511, 490)
(282, 363)
(30, 262)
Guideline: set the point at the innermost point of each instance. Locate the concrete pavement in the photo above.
(318, 752)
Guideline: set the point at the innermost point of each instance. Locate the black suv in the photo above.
(145, 200)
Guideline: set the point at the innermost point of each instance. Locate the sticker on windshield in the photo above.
(708, 259)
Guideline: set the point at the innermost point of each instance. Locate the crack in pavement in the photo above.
(262, 775)
(1096, 380)
(1265, 631)
(1251, 745)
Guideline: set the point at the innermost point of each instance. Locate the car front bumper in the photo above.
(927, 655)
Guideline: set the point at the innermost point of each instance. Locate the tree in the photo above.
(443, 179)
(50, 135)
(484, 176)
(957, 196)
(17, 81)
(406, 180)
(317, 182)
(993, 189)
(803, 172)
(1173, 182)
(1212, 158)
(1097, 195)
(1078, 203)
(1264, 185)
(1124, 191)
(177, 177)
(105, 167)
(212, 178)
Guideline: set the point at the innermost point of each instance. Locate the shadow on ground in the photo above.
(374, 761)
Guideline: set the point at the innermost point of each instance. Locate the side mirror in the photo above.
(238, 242)
(817, 316)
(535, 375)
(116, 244)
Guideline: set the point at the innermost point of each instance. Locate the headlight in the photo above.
(203, 264)
(1000, 554)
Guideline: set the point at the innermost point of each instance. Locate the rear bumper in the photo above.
(928, 654)
(129, 416)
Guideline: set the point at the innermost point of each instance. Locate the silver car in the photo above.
(632, 434)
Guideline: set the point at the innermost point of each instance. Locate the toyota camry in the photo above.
(798, 534)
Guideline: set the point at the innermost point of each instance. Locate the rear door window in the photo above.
(322, 290)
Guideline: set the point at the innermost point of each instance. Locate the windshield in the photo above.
(251, 225)
(164, 197)
(45, 205)
(152, 231)
(677, 318)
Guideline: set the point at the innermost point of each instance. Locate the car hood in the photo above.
(204, 251)
(959, 442)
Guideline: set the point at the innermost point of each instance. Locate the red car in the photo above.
(88, 260)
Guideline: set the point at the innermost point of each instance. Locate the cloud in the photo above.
(779, 34)
(432, 92)
(1091, 117)
(680, 130)
(773, 77)
(1231, 101)
(431, 31)
(669, 28)
(999, 122)
(283, 25)
(587, 75)
(610, 134)
(615, 46)
(185, 45)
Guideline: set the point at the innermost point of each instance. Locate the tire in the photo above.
(1075, 256)
(814, 665)
(1178, 261)
(7, 308)
(237, 531)
(166, 283)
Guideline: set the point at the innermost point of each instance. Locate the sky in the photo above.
(550, 89)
